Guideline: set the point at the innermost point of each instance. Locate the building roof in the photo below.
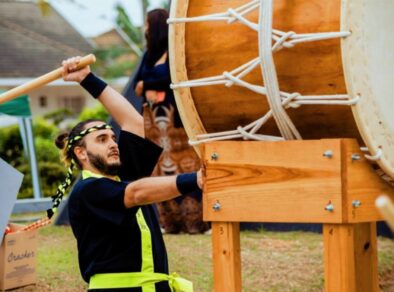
(109, 39)
(115, 37)
(32, 44)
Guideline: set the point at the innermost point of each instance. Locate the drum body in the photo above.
(359, 65)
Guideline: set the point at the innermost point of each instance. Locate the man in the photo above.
(120, 246)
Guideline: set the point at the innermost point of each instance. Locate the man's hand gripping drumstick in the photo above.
(42, 80)
(118, 107)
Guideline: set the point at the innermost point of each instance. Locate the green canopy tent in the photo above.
(20, 108)
(17, 107)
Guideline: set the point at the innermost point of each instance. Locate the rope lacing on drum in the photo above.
(270, 40)
(281, 38)
(375, 157)
(231, 16)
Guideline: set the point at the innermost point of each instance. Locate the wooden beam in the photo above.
(290, 181)
(350, 257)
(361, 185)
(226, 257)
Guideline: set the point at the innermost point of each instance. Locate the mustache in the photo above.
(113, 152)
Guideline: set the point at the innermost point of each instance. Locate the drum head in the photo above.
(369, 72)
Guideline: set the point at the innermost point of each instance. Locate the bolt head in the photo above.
(356, 156)
(356, 203)
(214, 156)
(329, 208)
(216, 206)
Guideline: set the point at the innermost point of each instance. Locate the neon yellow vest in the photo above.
(145, 279)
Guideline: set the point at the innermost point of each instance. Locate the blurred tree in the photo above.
(50, 167)
(59, 115)
(98, 112)
(144, 5)
(110, 61)
(133, 32)
(166, 4)
(11, 147)
(44, 129)
(114, 62)
(44, 7)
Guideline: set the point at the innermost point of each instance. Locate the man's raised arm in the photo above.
(118, 107)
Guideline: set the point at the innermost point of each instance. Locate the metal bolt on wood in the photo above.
(356, 203)
(216, 206)
(214, 156)
(328, 154)
(355, 157)
(329, 207)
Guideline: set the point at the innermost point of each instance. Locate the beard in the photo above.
(101, 165)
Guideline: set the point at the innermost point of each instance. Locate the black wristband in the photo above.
(94, 85)
(187, 183)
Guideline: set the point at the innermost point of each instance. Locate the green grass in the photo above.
(271, 261)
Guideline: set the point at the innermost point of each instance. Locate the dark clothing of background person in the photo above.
(97, 204)
(158, 78)
(164, 127)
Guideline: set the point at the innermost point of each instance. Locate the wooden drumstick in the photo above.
(42, 80)
(386, 208)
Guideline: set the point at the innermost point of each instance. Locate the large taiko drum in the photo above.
(265, 69)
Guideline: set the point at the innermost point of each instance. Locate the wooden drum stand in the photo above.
(311, 181)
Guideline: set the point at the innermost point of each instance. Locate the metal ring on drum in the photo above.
(275, 69)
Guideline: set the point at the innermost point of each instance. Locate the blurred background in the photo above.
(35, 36)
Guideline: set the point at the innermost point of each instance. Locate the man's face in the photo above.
(101, 150)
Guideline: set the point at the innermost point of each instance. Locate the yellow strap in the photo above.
(139, 279)
(146, 242)
(86, 174)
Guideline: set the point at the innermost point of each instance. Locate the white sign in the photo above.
(10, 182)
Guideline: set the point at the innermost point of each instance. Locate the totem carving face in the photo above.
(177, 155)
(189, 162)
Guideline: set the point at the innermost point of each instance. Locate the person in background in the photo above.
(163, 126)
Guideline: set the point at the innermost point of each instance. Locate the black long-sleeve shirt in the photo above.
(108, 235)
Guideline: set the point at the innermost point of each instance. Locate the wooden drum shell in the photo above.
(313, 68)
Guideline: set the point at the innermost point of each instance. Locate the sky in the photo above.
(92, 17)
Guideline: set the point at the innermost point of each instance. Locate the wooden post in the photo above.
(226, 256)
(350, 257)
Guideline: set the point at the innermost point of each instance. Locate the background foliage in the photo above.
(51, 169)
(111, 62)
